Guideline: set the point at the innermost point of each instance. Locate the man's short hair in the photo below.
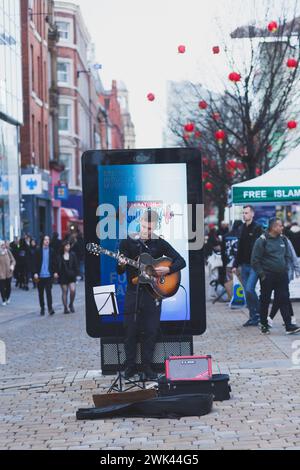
(273, 221)
(150, 216)
(250, 207)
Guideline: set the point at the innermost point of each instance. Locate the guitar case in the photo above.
(218, 386)
(159, 407)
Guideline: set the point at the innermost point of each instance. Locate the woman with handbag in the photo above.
(7, 266)
(68, 270)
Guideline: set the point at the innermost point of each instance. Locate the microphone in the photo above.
(139, 240)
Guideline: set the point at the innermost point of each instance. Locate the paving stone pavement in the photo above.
(52, 370)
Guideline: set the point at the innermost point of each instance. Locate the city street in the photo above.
(53, 369)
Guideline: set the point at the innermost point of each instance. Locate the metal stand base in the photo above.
(118, 385)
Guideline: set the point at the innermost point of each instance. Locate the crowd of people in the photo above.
(39, 265)
(270, 255)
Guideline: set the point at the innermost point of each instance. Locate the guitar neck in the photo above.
(117, 256)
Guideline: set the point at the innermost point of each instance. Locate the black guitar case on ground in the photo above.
(160, 407)
(218, 386)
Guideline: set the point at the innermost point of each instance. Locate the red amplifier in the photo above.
(188, 368)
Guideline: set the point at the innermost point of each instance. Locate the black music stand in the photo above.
(109, 305)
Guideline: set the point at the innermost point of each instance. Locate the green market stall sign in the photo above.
(270, 194)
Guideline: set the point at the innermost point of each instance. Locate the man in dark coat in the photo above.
(146, 315)
(44, 272)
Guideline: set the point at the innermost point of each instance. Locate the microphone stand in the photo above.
(137, 295)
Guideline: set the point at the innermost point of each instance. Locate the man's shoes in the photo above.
(148, 374)
(51, 312)
(42, 312)
(251, 323)
(66, 311)
(265, 330)
(130, 371)
(71, 307)
(292, 329)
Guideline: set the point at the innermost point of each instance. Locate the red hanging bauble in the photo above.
(258, 171)
(205, 161)
(232, 164)
(205, 175)
(220, 136)
(272, 26)
(292, 63)
(216, 50)
(181, 49)
(202, 104)
(292, 124)
(189, 127)
(216, 116)
(197, 134)
(234, 77)
(151, 97)
(209, 186)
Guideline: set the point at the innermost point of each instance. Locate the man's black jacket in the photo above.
(38, 261)
(249, 234)
(156, 247)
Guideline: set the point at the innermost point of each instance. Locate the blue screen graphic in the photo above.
(163, 188)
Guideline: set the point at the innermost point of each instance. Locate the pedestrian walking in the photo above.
(23, 263)
(32, 255)
(293, 270)
(7, 265)
(270, 260)
(55, 244)
(45, 270)
(249, 234)
(230, 241)
(68, 270)
(15, 248)
(27, 239)
(213, 243)
(79, 250)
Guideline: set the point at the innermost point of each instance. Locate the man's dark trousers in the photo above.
(145, 323)
(45, 283)
(278, 282)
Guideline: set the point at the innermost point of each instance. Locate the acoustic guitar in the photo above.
(161, 287)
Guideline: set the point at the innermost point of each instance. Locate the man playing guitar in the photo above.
(146, 317)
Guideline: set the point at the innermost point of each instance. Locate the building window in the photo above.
(33, 132)
(41, 145)
(32, 67)
(45, 78)
(97, 139)
(64, 117)
(64, 30)
(67, 174)
(63, 72)
(39, 70)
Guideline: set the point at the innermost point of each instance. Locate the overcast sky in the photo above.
(136, 42)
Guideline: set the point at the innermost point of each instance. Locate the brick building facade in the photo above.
(38, 133)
